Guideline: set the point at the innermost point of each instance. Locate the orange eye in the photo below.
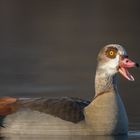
(111, 52)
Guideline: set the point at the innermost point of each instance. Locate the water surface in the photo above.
(132, 135)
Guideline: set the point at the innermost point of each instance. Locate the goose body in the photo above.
(104, 115)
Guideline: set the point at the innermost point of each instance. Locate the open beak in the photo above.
(124, 64)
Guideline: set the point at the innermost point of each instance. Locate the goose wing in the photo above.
(69, 109)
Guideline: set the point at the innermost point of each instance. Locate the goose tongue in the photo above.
(124, 64)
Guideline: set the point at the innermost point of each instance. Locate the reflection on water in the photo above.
(17, 137)
(132, 135)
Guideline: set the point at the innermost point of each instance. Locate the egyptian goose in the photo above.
(105, 115)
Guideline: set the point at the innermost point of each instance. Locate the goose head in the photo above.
(113, 59)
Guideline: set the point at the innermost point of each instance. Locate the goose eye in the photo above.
(111, 52)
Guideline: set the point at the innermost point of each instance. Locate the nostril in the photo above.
(127, 61)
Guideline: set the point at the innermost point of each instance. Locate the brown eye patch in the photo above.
(111, 52)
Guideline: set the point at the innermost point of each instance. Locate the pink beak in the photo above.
(124, 64)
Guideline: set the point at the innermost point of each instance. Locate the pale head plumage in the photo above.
(113, 58)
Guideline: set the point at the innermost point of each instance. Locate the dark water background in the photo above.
(49, 48)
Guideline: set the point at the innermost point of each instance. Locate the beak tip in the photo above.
(137, 65)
